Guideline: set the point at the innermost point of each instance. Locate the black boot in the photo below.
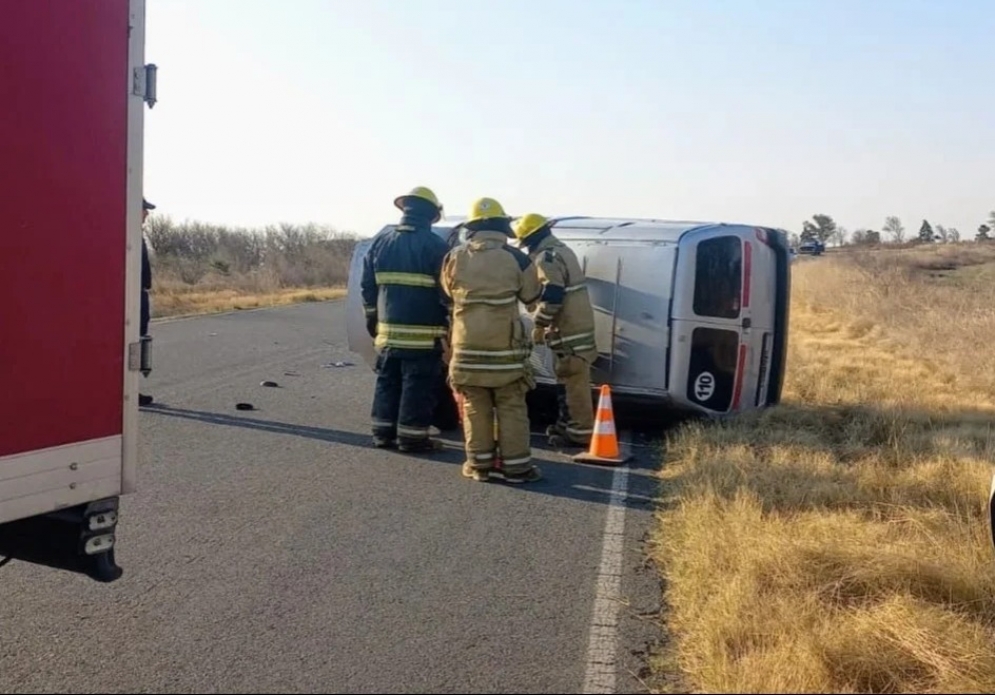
(419, 446)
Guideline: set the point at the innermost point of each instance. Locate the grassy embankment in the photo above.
(201, 268)
(840, 542)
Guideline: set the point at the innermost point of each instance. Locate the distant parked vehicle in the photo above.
(813, 248)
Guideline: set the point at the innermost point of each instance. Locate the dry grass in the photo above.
(200, 268)
(186, 303)
(933, 302)
(840, 542)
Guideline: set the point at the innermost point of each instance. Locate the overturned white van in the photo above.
(690, 315)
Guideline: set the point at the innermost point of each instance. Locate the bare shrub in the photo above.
(198, 258)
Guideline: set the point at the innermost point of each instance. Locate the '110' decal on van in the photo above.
(712, 372)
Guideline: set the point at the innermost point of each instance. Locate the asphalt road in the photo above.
(277, 551)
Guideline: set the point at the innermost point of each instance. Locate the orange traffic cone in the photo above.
(604, 441)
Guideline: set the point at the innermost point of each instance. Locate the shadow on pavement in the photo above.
(561, 477)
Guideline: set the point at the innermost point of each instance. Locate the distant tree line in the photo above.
(824, 229)
(277, 256)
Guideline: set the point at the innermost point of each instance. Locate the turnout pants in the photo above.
(576, 413)
(479, 406)
(405, 397)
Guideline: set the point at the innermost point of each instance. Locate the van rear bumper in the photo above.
(782, 304)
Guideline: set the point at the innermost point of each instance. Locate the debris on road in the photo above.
(337, 365)
(291, 374)
(270, 384)
(244, 406)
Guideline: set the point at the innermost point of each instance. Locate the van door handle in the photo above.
(746, 322)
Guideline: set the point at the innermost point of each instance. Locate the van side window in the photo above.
(718, 277)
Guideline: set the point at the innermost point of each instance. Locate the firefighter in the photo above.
(146, 286)
(490, 347)
(563, 319)
(407, 316)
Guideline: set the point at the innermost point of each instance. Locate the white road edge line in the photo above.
(602, 648)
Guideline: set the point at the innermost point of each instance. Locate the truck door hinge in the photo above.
(140, 355)
(144, 83)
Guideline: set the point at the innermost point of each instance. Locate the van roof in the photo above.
(614, 228)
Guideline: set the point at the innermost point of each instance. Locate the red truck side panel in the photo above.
(63, 172)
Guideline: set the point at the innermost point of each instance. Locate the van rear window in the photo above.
(718, 277)
(712, 371)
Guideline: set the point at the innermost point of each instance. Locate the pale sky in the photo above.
(763, 111)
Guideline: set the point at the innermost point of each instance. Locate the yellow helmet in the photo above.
(424, 193)
(485, 209)
(528, 224)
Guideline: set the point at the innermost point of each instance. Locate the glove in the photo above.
(538, 335)
(371, 326)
